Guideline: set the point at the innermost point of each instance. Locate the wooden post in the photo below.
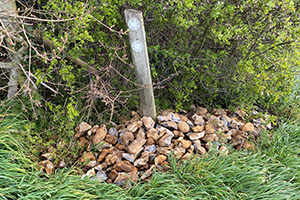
(137, 37)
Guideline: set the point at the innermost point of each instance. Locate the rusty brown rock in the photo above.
(124, 166)
(191, 149)
(201, 111)
(48, 166)
(198, 128)
(81, 129)
(128, 178)
(100, 134)
(147, 173)
(219, 112)
(209, 129)
(224, 137)
(169, 124)
(129, 157)
(141, 161)
(249, 146)
(183, 127)
(186, 156)
(87, 156)
(111, 159)
(136, 146)
(249, 127)
(120, 146)
(160, 159)
(177, 134)
(152, 133)
(141, 133)
(148, 122)
(111, 139)
(209, 137)
(82, 141)
(126, 137)
(150, 141)
(113, 174)
(179, 152)
(196, 136)
(134, 126)
(163, 150)
(104, 152)
(185, 143)
(91, 164)
(224, 150)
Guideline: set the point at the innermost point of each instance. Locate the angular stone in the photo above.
(93, 130)
(178, 134)
(198, 120)
(134, 126)
(179, 152)
(199, 149)
(166, 139)
(126, 137)
(209, 137)
(101, 145)
(185, 143)
(123, 166)
(163, 150)
(91, 164)
(150, 149)
(224, 137)
(169, 124)
(191, 149)
(147, 173)
(89, 173)
(148, 122)
(100, 176)
(126, 177)
(81, 129)
(174, 117)
(198, 128)
(111, 159)
(209, 129)
(104, 152)
(183, 127)
(196, 136)
(113, 174)
(129, 157)
(160, 159)
(87, 156)
(111, 139)
(150, 141)
(120, 146)
(152, 133)
(48, 166)
(113, 132)
(224, 150)
(186, 156)
(141, 161)
(162, 118)
(249, 128)
(136, 146)
(102, 166)
(201, 111)
(100, 134)
(218, 112)
(141, 133)
(82, 141)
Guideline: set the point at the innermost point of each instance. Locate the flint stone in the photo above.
(100, 176)
(201, 111)
(152, 133)
(134, 126)
(198, 120)
(100, 134)
(199, 149)
(48, 166)
(113, 132)
(150, 149)
(111, 139)
(183, 127)
(129, 157)
(81, 129)
(148, 122)
(174, 118)
(209, 137)
(166, 139)
(249, 127)
(124, 177)
(195, 136)
(179, 152)
(104, 152)
(124, 166)
(160, 159)
(125, 138)
(93, 130)
(136, 146)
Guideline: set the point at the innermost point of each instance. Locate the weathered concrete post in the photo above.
(137, 37)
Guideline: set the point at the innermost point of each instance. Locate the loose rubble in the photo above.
(131, 151)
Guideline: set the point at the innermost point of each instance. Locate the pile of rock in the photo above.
(130, 151)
